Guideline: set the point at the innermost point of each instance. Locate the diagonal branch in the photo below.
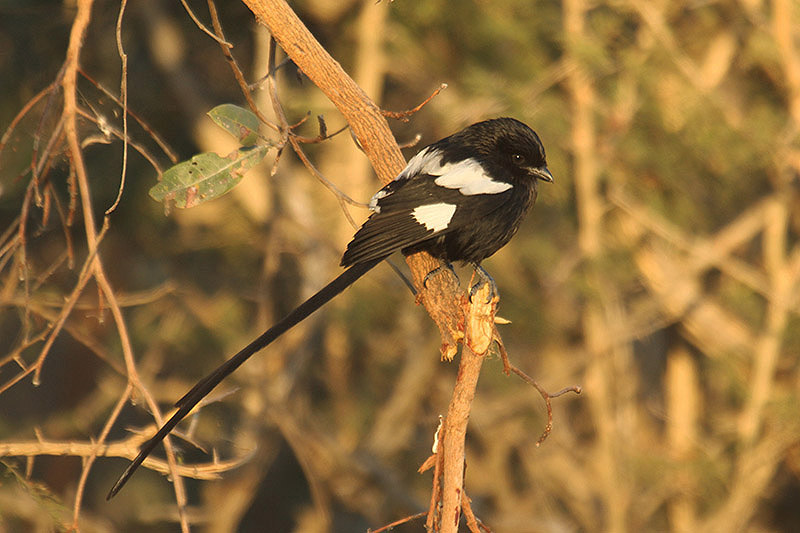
(441, 297)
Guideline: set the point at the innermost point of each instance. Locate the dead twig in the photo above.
(396, 523)
(168, 151)
(403, 116)
(237, 72)
(546, 396)
(123, 92)
(221, 40)
(474, 523)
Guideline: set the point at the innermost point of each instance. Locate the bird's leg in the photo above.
(484, 278)
(437, 270)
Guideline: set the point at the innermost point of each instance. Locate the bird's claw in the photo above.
(436, 271)
(484, 278)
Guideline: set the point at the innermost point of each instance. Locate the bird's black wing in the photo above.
(414, 210)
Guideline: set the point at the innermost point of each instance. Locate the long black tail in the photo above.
(204, 386)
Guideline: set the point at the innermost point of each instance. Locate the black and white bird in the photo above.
(460, 199)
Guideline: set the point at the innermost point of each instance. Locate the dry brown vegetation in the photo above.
(661, 271)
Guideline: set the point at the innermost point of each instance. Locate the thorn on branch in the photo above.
(357, 142)
(323, 131)
(323, 128)
(428, 464)
(278, 154)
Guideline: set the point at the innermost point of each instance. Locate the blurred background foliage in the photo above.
(661, 272)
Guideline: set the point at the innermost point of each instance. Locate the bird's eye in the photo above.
(518, 158)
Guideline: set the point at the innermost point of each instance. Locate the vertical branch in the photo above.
(582, 96)
(775, 253)
(770, 339)
(441, 297)
(123, 92)
(784, 31)
(681, 387)
(369, 70)
(599, 373)
(70, 114)
(452, 444)
(479, 331)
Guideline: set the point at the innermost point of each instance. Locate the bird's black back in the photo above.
(484, 178)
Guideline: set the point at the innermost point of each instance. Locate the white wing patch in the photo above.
(434, 217)
(469, 177)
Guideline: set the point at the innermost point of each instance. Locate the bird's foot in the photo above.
(438, 270)
(484, 277)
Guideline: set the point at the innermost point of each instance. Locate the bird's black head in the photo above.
(502, 145)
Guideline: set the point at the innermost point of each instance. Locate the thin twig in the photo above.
(237, 72)
(341, 197)
(70, 114)
(403, 116)
(123, 92)
(168, 151)
(473, 522)
(24, 111)
(434, 508)
(273, 88)
(546, 396)
(126, 449)
(203, 28)
(89, 460)
(37, 136)
(120, 135)
(40, 168)
(396, 523)
(259, 84)
(9, 241)
(321, 137)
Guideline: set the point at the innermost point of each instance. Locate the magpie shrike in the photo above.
(459, 199)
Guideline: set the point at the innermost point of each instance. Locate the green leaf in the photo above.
(206, 176)
(238, 121)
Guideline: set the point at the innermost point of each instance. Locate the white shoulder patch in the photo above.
(373, 202)
(427, 161)
(434, 217)
(469, 177)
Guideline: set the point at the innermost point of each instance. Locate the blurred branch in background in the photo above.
(662, 272)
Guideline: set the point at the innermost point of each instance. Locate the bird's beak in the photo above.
(542, 173)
